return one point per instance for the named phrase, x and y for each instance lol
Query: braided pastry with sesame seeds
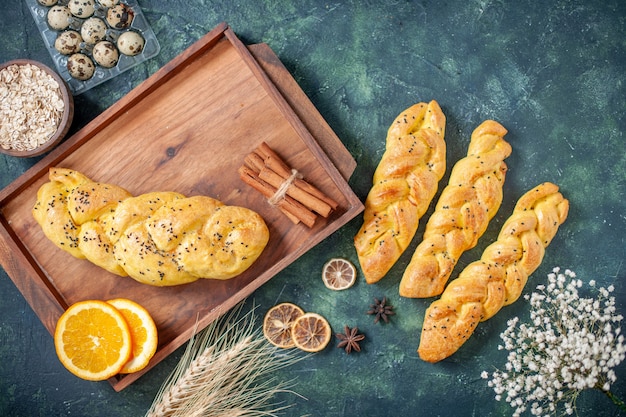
(467, 204)
(404, 184)
(498, 278)
(157, 238)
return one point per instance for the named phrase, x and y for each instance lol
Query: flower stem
(616, 400)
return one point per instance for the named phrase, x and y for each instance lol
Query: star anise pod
(349, 340)
(381, 309)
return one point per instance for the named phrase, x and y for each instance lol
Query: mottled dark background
(552, 72)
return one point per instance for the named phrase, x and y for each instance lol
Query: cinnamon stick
(266, 172)
(274, 162)
(311, 202)
(303, 185)
(290, 207)
(255, 162)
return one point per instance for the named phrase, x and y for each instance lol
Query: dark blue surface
(553, 73)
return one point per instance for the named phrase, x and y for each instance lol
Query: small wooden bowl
(66, 118)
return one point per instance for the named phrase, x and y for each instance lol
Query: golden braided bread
(404, 184)
(467, 204)
(158, 238)
(497, 279)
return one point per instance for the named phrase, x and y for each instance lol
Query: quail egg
(120, 16)
(108, 3)
(105, 54)
(47, 3)
(82, 8)
(68, 42)
(80, 66)
(93, 30)
(130, 43)
(59, 17)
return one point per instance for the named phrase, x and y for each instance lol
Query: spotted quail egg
(93, 30)
(120, 16)
(68, 42)
(130, 43)
(47, 3)
(108, 3)
(82, 8)
(105, 54)
(80, 66)
(59, 17)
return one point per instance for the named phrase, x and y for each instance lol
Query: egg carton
(101, 74)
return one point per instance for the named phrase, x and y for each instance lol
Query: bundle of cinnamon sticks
(284, 187)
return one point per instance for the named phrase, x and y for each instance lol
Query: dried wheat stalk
(226, 370)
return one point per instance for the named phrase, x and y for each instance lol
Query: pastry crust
(498, 278)
(157, 238)
(404, 184)
(467, 204)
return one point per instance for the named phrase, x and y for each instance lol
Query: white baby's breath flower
(571, 344)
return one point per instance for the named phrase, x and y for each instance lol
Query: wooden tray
(187, 128)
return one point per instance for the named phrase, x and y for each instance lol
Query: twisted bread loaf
(465, 207)
(159, 238)
(497, 279)
(404, 184)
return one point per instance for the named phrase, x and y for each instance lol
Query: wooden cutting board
(186, 129)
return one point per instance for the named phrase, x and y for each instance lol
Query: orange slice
(143, 333)
(277, 324)
(92, 340)
(311, 332)
(338, 274)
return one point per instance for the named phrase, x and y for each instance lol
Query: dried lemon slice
(311, 332)
(92, 340)
(338, 274)
(277, 324)
(143, 334)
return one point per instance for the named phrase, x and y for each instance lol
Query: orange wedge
(92, 340)
(311, 332)
(277, 324)
(143, 334)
